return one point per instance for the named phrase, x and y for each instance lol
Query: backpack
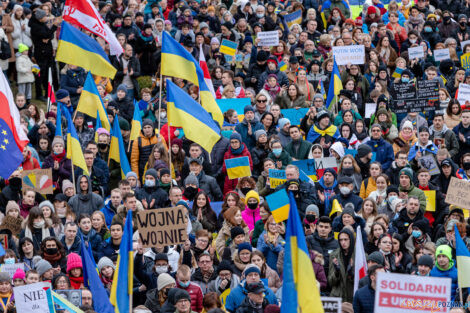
(5, 50)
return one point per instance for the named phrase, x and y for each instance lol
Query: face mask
(344, 190)
(102, 146)
(259, 15)
(428, 29)
(149, 183)
(412, 41)
(38, 224)
(466, 166)
(9, 261)
(462, 23)
(184, 285)
(277, 152)
(190, 192)
(52, 251)
(253, 205)
(56, 153)
(295, 192)
(391, 198)
(245, 190)
(15, 182)
(405, 79)
(446, 18)
(348, 170)
(416, 233)
(161, 269)
(163, 115)
(310, 218)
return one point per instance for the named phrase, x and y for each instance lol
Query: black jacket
(125, 107)
(322, 245)
(134, 64)
(307, 196)
(39, 32)
(152, 193)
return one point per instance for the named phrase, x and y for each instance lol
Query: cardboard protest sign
(314, 168)
(441, 54)
(464, 94)
(11, 268)
(294, 115)
(399, 293)
(162, 227)
(331, 304)
(465, 60)
(458, 193)
(39, 180)
(415, 53)
(34, 298)
(276, 178)
(415, 97)
(268, 39)
(349, 54)
(430, 200)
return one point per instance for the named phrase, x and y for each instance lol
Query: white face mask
(344, 190)
(161, 269)
(38, 224)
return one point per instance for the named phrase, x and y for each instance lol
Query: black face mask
(295, 192)
(245, 190)
(253, 205)
(446, 18)
(310, 218)
(102, 146)
(466, 166)
(52, 251)
(348, 171)
(15, 182)
(190, 192)
(166, 292)
(463, 23)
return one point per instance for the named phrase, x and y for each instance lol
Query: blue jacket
(450, 273)
(270, 251)
(237, 295)
(72, 80)
(109, 213)
(242, 129)
(383, 152)
(364, 300)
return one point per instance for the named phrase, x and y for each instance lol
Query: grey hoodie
(85, 203)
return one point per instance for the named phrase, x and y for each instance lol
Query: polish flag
(50, 91)
(360, 261)
(205, 70)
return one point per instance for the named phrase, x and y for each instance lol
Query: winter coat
(403, 221)
(72, 80)
(247, 307)
(75, 247)
(242, 129)
(383, 152)
(231, 184)
(341, 281)
(150, 194)
(125, 107)
(198, 278)
(133, 64)
(141, 148)
(350, 198)
(258, 154)
(210, 186)
(299, 151)
(416, 192)
(270, 251)
(152, 302)
(21, 36)
(284, 158)
(24, 66)
(196, 295)
(250, 217)
(63, 172)
(285, 102)
(450, 140)
(237, 295)
(464, 146)
(307, 196)
(217, 155)
(40, 32)
(367, 187)
(255, 70)
(322, 245)
(224, 237)
(364, 298)
(450, 273)
(281, 78)
(85, 203)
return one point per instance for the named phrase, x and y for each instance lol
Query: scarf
(331, 131)
(145, 37)
(362, 135)
(58, 157)
(237, 151)
(45, 233)
(5, 299)
(52, 258)
(272, 91)
(328, 191)
(76, 282)
(207, 275)
(106, 281)
(406, 137)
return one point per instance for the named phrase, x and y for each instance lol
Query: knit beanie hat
(164, 280)
(131, 174)
(48, 204)
(235, 231)
(39, 14)
(161, 256)
(58, 140)
(164, 171)
(260, 132)
(251, 268)
(122, 87)
(244, 246)
(236, 136)
(363, 150)
(392, 188)
(43, 266)
(426, 260)
(12, 205)
(248, 108)
(376, 257)
(152, 172)
(408, 172)
(19, 274)
(251, 194)
(407, 124)
(181, 294)
(191, 180)
(313, 208)
(146, 122)
(224, 266)
(67, 184)
(444, 250)
(282, 122)
(5, 277)
(22, 48)
(73, 261)
(105, 261)
(61, 94)
(124, 124)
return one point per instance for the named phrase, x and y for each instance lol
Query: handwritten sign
(458, 193)
(314, 168)
(34, 298)
(429, 163)
(294, 115)
(162, 227)
(276, 178)
(370, 109)
(415, 97)
(268, 39)
(464, 94)
(349, 54)
(441, 54)
(415, 53)
(11, 268)
(39, 180)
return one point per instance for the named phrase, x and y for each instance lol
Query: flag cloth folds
(73, 144)
(178, 62)
(136, 125)
(335, 87)
(98, 125)
(278, 203)
(117, 151)
(335, 207)
(121, 290)
(65, 304)
(238, 167)
(81, 50)
(360, 261)
(92, 281)
(184, 112)
(205, 70)
(12, 136)
(293, 18)
(463, 260)
(84, 14)
(300, 290)
(50, 90)
(90, 102)
(58, 123)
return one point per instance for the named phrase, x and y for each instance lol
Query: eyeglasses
(262, 101)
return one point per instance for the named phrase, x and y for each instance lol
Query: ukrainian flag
(81, 50)
(293, 18)
(184, 112)
(136, 124)
(463, 260)
(73, 145)
(278, 203)
(117, 152)
(335, 207)
(228, 47)
(98, 125)
(58, 123)
(90, 102)
(300, 289)
(335, 87)
(397, 73)
(282, 66)
(322, 89)
(121, 290)
(238, 167)
(178, 62)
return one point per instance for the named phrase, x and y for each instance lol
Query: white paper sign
(464, 94)
(11, 268)
(33, 298)
(415, 53)
(441, 54)
(349, 54)
(399, 293)
(331, 304)
(268, 39)
(464, 43)
(370, 109)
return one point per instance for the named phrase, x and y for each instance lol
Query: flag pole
(169, 147)
(160, 98)
(73, 171)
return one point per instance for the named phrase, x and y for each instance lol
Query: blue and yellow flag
(117, 151)
(98, 125)
(335, 87)
(228, 47)
(58, 123)
(238, 167)
(123, 281)
(282, 66)
(73, 145)
(184, 112)
(300, 288)
(136, 125)
(278, 203)
(293, 18)
(322, 89)
(81, 50)
(178, 62)
(463, 260)
(90, 102)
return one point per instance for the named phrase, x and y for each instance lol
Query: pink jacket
(251, 217)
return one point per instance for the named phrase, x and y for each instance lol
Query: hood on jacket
(79, 191)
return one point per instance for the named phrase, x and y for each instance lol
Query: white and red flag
(205, 70)
(50, 90)
(360, 261)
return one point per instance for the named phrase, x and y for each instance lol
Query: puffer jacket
(231, 184)
(141, 148)
(195, 293)
(24, 66)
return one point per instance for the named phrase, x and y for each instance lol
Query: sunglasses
(261, 101)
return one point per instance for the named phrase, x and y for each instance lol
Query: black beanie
(235, 231)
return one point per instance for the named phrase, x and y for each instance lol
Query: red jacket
(231, 184)
(195, 293)
(30, 163)
(164, 132)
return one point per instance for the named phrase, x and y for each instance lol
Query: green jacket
(284, 157)
(257, 231)
(341, 286)
(302, 152)
(413, 191)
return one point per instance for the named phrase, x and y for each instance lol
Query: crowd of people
(233, 259)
